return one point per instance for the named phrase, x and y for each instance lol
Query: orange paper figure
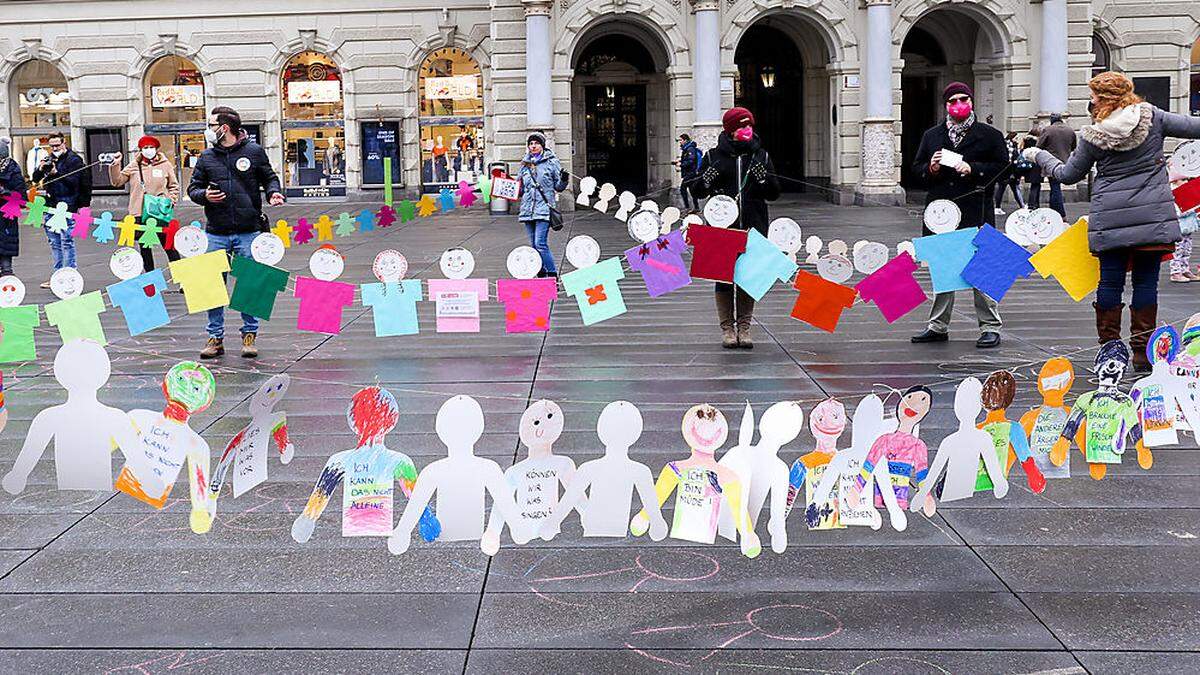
(1044, 424)
(427, 206)
(1008, 437)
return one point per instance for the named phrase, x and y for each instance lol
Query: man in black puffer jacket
(228, 181)
(740, 168)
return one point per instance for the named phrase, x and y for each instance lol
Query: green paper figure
(345, 225)
(150, 230)
(406, 210)
(37, 212)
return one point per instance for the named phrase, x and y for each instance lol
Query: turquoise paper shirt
(761, 266)
(595, 289)
(394, 305)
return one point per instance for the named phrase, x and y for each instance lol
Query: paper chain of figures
(886, 465)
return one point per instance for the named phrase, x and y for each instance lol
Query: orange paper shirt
(821, 302)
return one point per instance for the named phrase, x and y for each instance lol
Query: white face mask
(59, 152)
(149, 153)
(210, 135)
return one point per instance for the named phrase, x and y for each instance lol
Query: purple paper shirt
(661, 264)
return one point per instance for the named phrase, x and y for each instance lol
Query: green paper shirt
(18, 343)
(1110, 418)
(78, 318)
(256, 288)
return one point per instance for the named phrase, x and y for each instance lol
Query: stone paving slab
(1135, 663)
(1096, 569)
(1077, 527)
(1121, 621)
(249, 661)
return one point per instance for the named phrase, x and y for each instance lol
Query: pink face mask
(744, 133)
(959, 110)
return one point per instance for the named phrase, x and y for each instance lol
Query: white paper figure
(942, 216)
(66, 283)
(761, 470)
(670, 216)
(326, 263)
(691, 219)
(785, 234)
(460, 481)
(870, 256)
(812, 246)
(607, 192)
(125, 263)
(626, 203)
(457, 263)
(587, 186)
(83, 429)
(12, 291)
(649, 205)
(1016, 227)
(524, 262)
(838, 247)
(1185, 161)
(389, 266)
(702, 485)
(835, 268)
(1045, 225)
(609, 482)
(840, 479)
(190, 241)
(721, 211)
(246, 453)
(906, 247)
(535, 479)
(1162, 395)
(583, 251)
(644, 226)
(267, 248)
(959, 454)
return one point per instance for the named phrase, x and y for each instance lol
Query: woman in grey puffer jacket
(542, 178)
(1132, 222)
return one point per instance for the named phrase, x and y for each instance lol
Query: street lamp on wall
(610, 91)
(767, 74)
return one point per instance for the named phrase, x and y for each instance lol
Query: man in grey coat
(1059, 140)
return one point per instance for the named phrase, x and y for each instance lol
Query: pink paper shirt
(526, 303)
(457, 324)
(892, 288)
(321, 304)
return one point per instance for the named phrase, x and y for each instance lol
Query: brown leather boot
(249, 350)
(213, 348)
(745, 314)
(1142, 322)
(1108, 322)
(725, 317)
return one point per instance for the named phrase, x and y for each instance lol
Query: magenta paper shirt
(456, 310)
(892, 288)
(321, 304)
(661, 264)
(526, 303)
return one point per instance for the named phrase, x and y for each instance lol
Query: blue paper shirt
(761, 266)
(947, 255)
(394, 305)
(596, 291)
(997, 264)
(141, 301)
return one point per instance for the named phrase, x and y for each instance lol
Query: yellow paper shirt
(1069, 261)
(200, 276)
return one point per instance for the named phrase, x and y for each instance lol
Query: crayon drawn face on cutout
(1163, 345)
(191, 385)
(942, 216)
(721, 211)
(705, 429)
(1044, 225)
(541, 424)
(326, 263)
(190, 241)
(390, 266)
(999, 390)
(1111, 362)
(457, 263)
(66, 283)
(12, 291)
(267, 248)
(524, 262)
(270, 393)
(1186, 159)
(644, 226)
(583, 251)
(870, 257)
(914, 405)
(1056, 378)
(785, 233)
(827, 421)
(373, 412)
(835, 268)
(1016, 227)
(125, 263)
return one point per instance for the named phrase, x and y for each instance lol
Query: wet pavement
(1089, 575)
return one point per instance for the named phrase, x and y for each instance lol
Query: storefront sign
(457, 88)
(177, 96)
(326, 91)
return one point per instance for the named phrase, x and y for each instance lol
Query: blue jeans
(1113, 266)
(1056, 198)
(537, 231)
(62, 247)
(230, 243)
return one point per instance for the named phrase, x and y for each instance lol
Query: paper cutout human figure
(587, 186)
(602, 489)
(485, 189)
(303, 231)
(150, 232)
(942, 215)
(456, 298)
(904, 455)
(965, 454)
(169, 234)
(365, 220)
(869, 256)
(14, 202)
(997, 264)
(526, 303)
(947, 254)
(535, 479)
(1187, 195)
(445, 200)
(244, 460)
(284, 232)
(1106, 417)
(670, 216)
(83, 429)
(324, 228)
(466, 194)
(1044, 424)
(660, 263)
(78, 317)
(893, 289)
(387, 216)
(370, 472)
(167, 441)
(761, 472)
(702, 485)
(202, 280)
(394, 306)
(321, 298)
(1068, 259)
(596, 291)
(128, 234)
(761, 265)
(17, 342)
(36, 215)
(426, 206)
(59, 218)
(820, 303)
(141, 301)
(406, 210)
(626, 203)
(82, 223)
(1162, 396)
(839, 482)
(104, 228)
(812, 246)
(1009, 438)
(460, 481)
(827, 422)
(607, 192)
(345, 225)
(715, 251)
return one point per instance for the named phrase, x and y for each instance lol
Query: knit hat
(148, 142)
(955, 89)
(536, 136)
(5, 153)
(736, 118)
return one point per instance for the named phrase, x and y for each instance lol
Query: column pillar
(880, 180)
(706, 76)
(539, 102)
(1052, 71)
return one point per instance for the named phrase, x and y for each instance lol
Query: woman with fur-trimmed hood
(1132, 223)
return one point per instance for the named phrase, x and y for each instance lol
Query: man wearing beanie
(740, 168)
(969, 185)
(11, 180)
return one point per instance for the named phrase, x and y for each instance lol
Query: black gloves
(758, 172)
(709, 177)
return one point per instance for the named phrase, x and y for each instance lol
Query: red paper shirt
(714, 251)
(821, 302)
(1187, 196)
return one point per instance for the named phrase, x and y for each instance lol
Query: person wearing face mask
(969, 185)
(229, 180)
(66, 180)
(1132, 222)
(11, 180)
(738, 167)
(148, 173)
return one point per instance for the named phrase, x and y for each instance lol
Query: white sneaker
(999, 212)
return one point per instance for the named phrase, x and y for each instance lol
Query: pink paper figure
(304, 231)
(526, 303)
(387, 216)
(13, 203)
(321, 304)
(893, 289)
(37, 212)
(466, 194)
(83, 221)
(456, 311)
(104, 228)
(59, 218)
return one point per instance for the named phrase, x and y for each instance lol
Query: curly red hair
(1114, 90)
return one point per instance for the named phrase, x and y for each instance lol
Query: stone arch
(1005, 34)
(829, 22)
(35, 50)
(421, 50)
(139, 69)
(578, 25)
(1116, 44)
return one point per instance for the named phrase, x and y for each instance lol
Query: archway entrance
(41, 105)
(314, 127)
(621, 105)
(173, 92)
(944, 46)
(450, 89)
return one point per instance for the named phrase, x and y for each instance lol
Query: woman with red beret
(152, 174)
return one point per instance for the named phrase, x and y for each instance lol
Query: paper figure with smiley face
(1163, 396)
(321, 298)
(535, 480)
(526, 298)
(1107, 416)
(138, 295)
(905, 456)
(259, 281)
(839, 481)
(701, 484)
(393, 300)
(1044, 423)
(456, 298)
(1009, 438)
(826, 422)
(17, 342)
(76, 314)
(760, 470)
(246, 454)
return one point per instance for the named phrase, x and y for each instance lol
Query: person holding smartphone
(149, 173)
(228, 181)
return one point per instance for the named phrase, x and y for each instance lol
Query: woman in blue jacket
(542, 178)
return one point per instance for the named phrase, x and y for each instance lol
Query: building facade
(842, 90)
